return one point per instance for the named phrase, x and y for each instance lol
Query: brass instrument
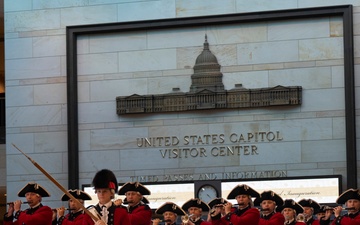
(301, 218)
(185, 218)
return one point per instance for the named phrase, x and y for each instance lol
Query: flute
(55, 209)
(8, 203)
(332, 208)
(165, 221)
(264, 210)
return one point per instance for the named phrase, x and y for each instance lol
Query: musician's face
(268, 206)
(353, 203)
(243, 200)
(195, 211)
(133, 197)
(104, 195)
(308, 211)
(33, 198)
(74, 205)
(170, 216)
(288, 213)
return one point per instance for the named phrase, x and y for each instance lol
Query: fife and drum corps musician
(245, 212)
(292, 212)
(216, 203)
(310, 207)
(139, 213)
(324, 214)
(351, 199)
(195, 208)
(268, 201)
(76, 214)
(37, 214)
(170, 212)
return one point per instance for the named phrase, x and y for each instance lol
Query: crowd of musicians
(252, 208)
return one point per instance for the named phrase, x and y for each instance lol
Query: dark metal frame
(343, 11)
(217, 183)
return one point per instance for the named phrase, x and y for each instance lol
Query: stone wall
(306, 52)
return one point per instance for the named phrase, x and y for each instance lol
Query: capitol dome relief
(207, 92)
(207, 73)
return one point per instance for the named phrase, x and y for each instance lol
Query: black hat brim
(217, 201)
(268, 195)
(309, 203)
(78, 194)
(289, 203)
(170, 207)
(242, 190)
(134, 186)
(35, 188)
(348, 194)
(195, 202)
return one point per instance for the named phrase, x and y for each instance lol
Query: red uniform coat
(117, 216)
(272, 219)
(353, 219)
(312, 221)
(72, 219)
(140, 214)
(41, 215)
(247, 216)
(202, 222)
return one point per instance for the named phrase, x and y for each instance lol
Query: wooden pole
(58, 185)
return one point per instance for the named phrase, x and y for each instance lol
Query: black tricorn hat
(35, 188)
(134, 186)
(170, 207)
(196, 202)
(269, 195)
(217, 201)
(242, 189)
(144, 200)
(105, 179)
(309, 203)
(322, 209)
(78, 194)
(348, 194)
(289, 203)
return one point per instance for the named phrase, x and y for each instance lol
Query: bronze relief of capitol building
(207, 92)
